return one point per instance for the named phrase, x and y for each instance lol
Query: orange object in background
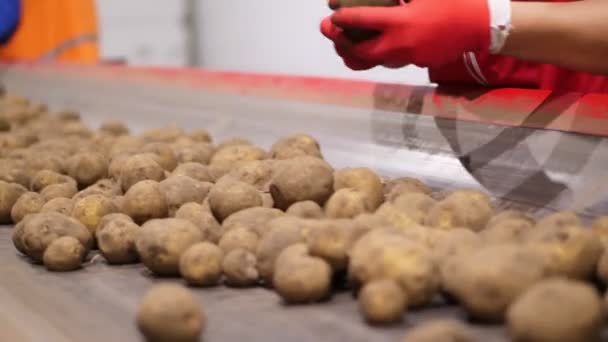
(54, 30)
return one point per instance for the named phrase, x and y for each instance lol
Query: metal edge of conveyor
(533, 169)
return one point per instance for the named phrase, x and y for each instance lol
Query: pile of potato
(234, 213)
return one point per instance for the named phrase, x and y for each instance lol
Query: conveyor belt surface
(532, 169)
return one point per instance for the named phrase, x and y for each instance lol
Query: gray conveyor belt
(536, 170)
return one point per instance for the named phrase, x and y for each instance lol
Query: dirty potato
(115, 236)
(28, 203)
(203, 219)
(229, 196)
(161, 242)
(301, 179)
(138, 168)
(64, 254)
(363, 179)
(300, 278)
(306, 210)
(382, 302)
(170, 312)
(296, 145)
(347, 203)
(557, 310)
(145, 201)
(179, 190)
(463, 208)
(487, 281)
(201, 264)
(9, 194)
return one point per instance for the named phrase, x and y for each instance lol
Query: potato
(5, 126)
(602, 268)
(232, 142)
(161, 242)
(447, 244)
(60, 205)
(229, 196)
(89, 210)
(258, 173)
(267, 201)
(347, 203)
(170, 313)
(300, 278)
(301, 179)
(197, 153)
(105, 187)
(9, 194)
(200, 135)
(306, 210)
(196, 171)
(557, 310)
(13, 173)
(240, 237)
(510, 214)
(145, 201)
(382, 254)
(405, 211)
(600, 228)
(203, 219)
(179, 190)
(228, 157)
(255, 219)
(201, 264)
(239, 266)
(63, 190)
(364, 180)
(37, 231)
(28, 203)
(560, 219)
(333, 239)
(116, 164)
(440, 330)
(114, 128)
(382, 302)
(87, 168)
(406, 185)
(388, 215)
(487, 281)
(464, 208)
(64, 254)
(296, 145)
(38, 161)
(138, 168)
(274, 242)
(506, 231)
(571, 251)
(162, 153)
(44, 178)
(115, 236)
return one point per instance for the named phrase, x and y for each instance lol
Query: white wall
(144, 32)
(278, 36)
(274, 36)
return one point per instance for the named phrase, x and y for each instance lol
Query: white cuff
(500, 23)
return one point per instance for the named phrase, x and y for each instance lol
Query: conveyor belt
(533, 169)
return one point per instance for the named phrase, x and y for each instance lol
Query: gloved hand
(427, 33)
(341, 45)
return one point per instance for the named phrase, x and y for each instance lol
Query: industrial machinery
(530, 149)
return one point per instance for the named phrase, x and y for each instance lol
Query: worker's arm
(10, 11)
(433, 33)
(572, 34)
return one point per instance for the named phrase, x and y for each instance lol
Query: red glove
(341, 44)
(427, 33)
